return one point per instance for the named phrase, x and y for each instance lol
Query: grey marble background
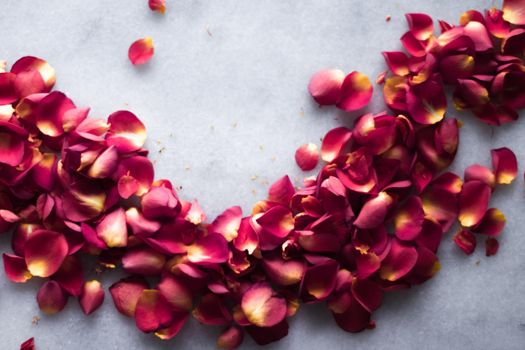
(224, 99)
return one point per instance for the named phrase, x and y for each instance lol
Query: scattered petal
(357, 92)
(325, 86)
(92, 297)
(141, 51)
(307, 156)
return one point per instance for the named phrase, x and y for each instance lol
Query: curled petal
(231, 338)
(228, 223)
(441, 205)
(141, 169)
(127, 186)
(195, 214)
(479, 35)
(29, 344)
(491, 224)
(374, 211)
(376, 133)
(112, 229)
(334, 143)
(496, 24)
(394, 93)
(473, 202)
(92, 297)
(152, 311)
(51, 297)
(126, 132)
(325, 86)
(514, 43)
(456, 67)
(514, 11)
(319, 280)
(139, 225)
(212, 311)
(143, 261)
(278, 221)
(179, 319)
(157, 5)
(262, 307)
(212, 249)
(16, 268)
(470, 94)
(491, 246)
(105, 164)
(505, 165)
(160, 202)
(176, 293)
(400, 260)
(34, 75)
(466, 241)
(357, 92)
(421, 25)
(427, 102)
(307, 156)
(44, 252)
(141, 51)
(480, 173)
(247, 239)
(126, 293)
(281, 191)
(408, 220)
(284, 272)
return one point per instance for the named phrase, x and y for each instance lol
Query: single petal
(325, 86)
(427, 102)
(441, 205)
(400, 260)
(51, 298)
(91, 237)
(126, 293)
(427, 266)
(367, 264)
(505, 165)
(195, 214)
(176, 293)
(92, 297)
(160, 202)
(112, 229)
(281, 191)
(105, 165)
(374, 211)
(139, 225)
(319, 280)
(277, 221)
(514, 11)
(127, 186)
(267, 335)
(211, 249)
(126, 132)
(152, 311)
(492, 223)
(212, 311)
(141, 51)
(70, 276)
(355, 319)
(50, 113)
(12, 143)
(231, 338)
(29, 344)
(334, 143)
(480, 173)
(397, 62)
(179, 319)
(16, 268)
(83, 200)
(466, 241)
(157, 5)
(284, 272)
(357, 92)
(496, 24)
(262, 307)
(514, 42)
(228, 223)
(44, 173)
(408, 220)
(307, 156)
(247, 239)
(473, 202)
(143, 261)
(44, 252)
(34, 75)
(479, 35)
(491, 246)
(421, 25)
(368, 293)
(456, 67)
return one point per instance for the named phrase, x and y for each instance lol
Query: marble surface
(224, 99)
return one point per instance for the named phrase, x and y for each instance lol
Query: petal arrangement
(370, 222)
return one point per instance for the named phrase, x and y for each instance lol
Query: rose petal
(195, 214)
(262, 307)
(491, 246)
(105, 164)
(50, 113)
(325, 86)
(281, 191)
(421, 25)
(480, 173)
(307, 156)
(399, 261)
(8, 93)
(284, 272)
(212, 249)
(356, 91)
(157, 5)
(126, 293)
(141, 51)
(112, 229)
(374, 211)
(51, 298)
(152, 311)
(473, 202)
(44, 252)
(126, 132)
(231, 338)
(267, 335)
(334, 143)
(319, 280)
(492, 223)
(34, 75)
(397, 62)
(160, 202)
(15, 268)
(92, 297)
(29, 344)
(212, 311)
(247, 239)
(277, 221)
(70, 276)
(496, 25)
(441, 205)
(179, 319)
(139, 225)
(505, 165)
(427, 102)
(466, 241)
(176, 293)
(514, 11)
(228, 223)
(355, 319)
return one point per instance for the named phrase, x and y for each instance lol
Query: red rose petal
(212, 311)
(277, 221)
(152, 311)
(262, 307)
(141, 51)
(284, 272)
(319, 280)
(212, 249)
(491, 246)
(92, 297)
(491, 224)
(368, 293)
(355, 319)
(504, 164)
(44, 252)
(228, 223)
(126, 293)
(157, 5)
(325, 86)
(473, 202)
(176, 293)
(397, 62)
(8, 93)
(357, 92)
(179, 319)
(281, 191)
(126, 132)
(143, 261)
(15, 268)
(427, 102)
(307, 156)
(421, 25)
(514, 11)
(480, 173)
(51, 298)
(34, 75)
(70, 275)
(267, 335)
(334, 143)
(466, 241)
(374, 211)
(29, 344)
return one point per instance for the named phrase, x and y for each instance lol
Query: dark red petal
(357, 92)
(92, 297)
(15, 268)
(44, 252)
(334, 143)
(466, 241)
(51, 298)
(504, 164)
(491, 246)
(473, 202)
(399, 261)
(421, 25)
(126, 293)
